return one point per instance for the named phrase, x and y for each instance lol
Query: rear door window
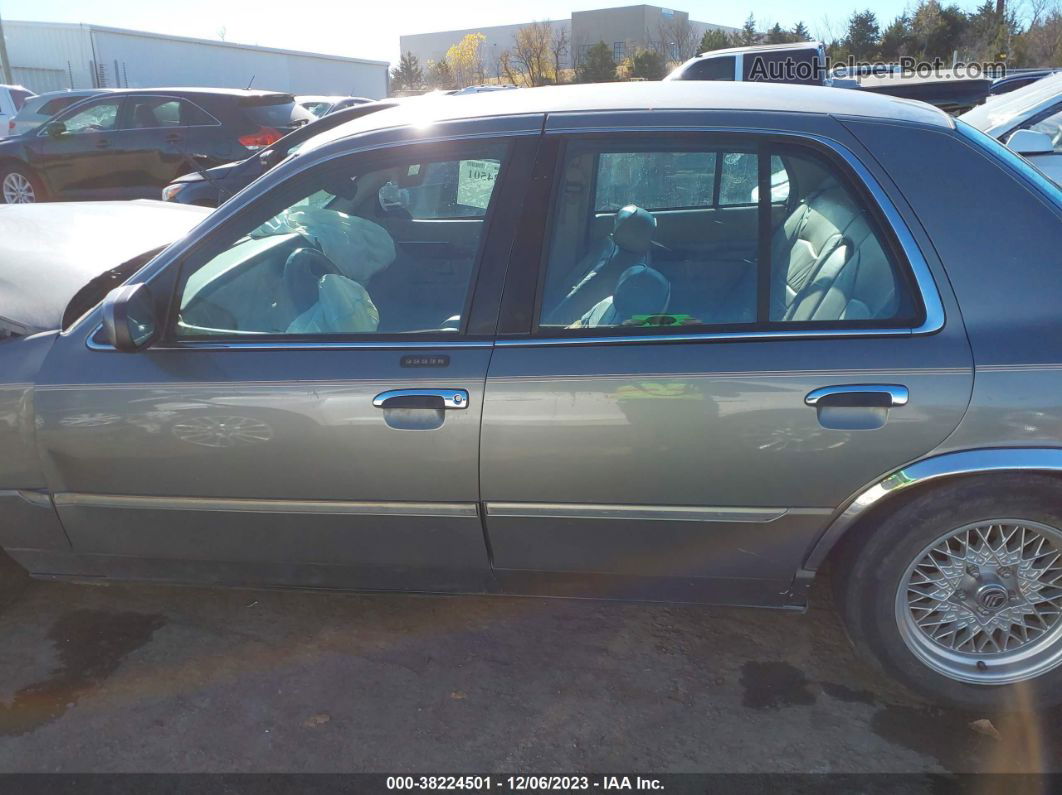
(635, 252)
(152, 113)
(721, 68)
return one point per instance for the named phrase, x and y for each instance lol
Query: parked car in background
(805, 63)
(1029, 121)
(349, 102)
(11, 100)
(210, 187)
(739, 64)
(546, 342)
(40, 108)
(321, 106)
(128, 143)
(1018, 78)
(483, 89)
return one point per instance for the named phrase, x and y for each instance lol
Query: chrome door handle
(422, 399)
(859, 396)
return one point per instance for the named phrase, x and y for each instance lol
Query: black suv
(129, 143)
(209, 187)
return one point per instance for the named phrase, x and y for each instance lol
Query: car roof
(73, 92)
(658, 96)
(997, 115)
(199, 90)
(792, 45)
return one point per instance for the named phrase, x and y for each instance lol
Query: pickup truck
(806, 63)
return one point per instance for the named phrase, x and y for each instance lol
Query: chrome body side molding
(668, 513)
(966, 462)
(450, 509)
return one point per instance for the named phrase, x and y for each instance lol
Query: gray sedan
(676, 342)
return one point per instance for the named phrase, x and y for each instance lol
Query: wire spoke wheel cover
(18, 189)
(983, 603)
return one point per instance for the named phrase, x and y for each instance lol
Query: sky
(371, 28)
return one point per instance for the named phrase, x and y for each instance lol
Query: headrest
(633, 229)
(640, 291)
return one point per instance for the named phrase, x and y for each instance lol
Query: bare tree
(676, 39)
(558, 47)
(535, 57)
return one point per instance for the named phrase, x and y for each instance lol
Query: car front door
(311, 414)
(80, 161)
(678, 406)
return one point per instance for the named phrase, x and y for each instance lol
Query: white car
(39, 109)
(11, 101)
(1029, 121)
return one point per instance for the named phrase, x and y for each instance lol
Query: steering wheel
(298, 289)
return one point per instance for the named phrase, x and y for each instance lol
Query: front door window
(388, 250)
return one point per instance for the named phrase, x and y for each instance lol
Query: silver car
(674, 341)
(37, 110)
(1029, 121)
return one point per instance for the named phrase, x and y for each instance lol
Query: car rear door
(154, 141)
(298, 423)
(691, 433)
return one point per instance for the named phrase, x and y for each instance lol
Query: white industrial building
(46, 56)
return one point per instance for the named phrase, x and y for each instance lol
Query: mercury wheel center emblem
(992, 596)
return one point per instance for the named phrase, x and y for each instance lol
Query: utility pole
(3, 56)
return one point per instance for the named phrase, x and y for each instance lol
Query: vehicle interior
(390, 251)
(683, 248)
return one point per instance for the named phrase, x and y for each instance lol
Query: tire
(20, 181)
(975, 608)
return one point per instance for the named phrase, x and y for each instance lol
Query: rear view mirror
(1030, 142)
(54, 128)
(129, 322)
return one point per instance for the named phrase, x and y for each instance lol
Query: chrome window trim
(297, 345)
(924, 282)
(177, 126)
(965, 462)
(935, 316)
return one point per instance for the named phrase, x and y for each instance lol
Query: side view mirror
(129, 322)
(54, 129)
(1030, 142)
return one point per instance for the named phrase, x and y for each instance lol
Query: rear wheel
(958, 594)
(19, 185)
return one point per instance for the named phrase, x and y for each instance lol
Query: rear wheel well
(852, 539)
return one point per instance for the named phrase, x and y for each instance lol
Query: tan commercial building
(625, 30)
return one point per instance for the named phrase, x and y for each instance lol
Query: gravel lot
(160, 678)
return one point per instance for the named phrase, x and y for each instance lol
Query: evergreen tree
(408, 74)
(597, 66)
(714, 39)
